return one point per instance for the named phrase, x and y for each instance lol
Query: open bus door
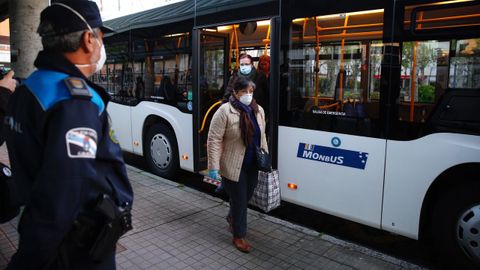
(210, 75)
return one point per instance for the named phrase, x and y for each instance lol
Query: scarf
(247, 127)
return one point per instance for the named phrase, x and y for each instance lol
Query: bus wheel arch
(451, 195)
(160, 136)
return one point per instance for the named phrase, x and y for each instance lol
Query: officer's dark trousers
(240, 193)
(70, 257)
(66, 258)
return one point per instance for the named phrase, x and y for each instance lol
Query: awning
(178, 12)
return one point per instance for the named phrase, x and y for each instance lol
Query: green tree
(407, 56)
(425, 56)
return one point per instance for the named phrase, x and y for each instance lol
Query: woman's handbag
(266, 195)
(264, 163)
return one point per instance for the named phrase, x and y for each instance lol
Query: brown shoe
(242, 245)
(230, 223)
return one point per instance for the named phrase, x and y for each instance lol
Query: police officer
(62, 149)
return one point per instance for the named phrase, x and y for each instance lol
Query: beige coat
(225, 146)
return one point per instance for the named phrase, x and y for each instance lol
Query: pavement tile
(357, 259)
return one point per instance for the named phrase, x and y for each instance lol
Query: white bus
(373, 106)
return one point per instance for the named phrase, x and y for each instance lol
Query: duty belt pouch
(118, 222)
(84, 231)
(106, 241)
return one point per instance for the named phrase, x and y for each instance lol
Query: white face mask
(245, 70)
(246, 99)
(101, 60)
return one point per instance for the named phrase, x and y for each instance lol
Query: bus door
(210, 76)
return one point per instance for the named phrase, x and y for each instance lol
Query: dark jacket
(63, 154)
(4, 97)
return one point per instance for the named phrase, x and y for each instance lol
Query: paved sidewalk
(176, 227)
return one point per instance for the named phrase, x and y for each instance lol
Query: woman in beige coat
(236, 129)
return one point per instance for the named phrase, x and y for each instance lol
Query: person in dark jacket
(247, 69)
(7, 86)
(167, 89)
(139, 88)
(64, 154)
(264, 65)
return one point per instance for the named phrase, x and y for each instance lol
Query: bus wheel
(456, 227)
(161, 151)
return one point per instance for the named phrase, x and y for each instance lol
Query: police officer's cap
(64, 20)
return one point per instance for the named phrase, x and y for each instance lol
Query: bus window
(465, 64)
(212, 81)
(157, 69)
(430, 66)
(427, 63)
(168, 67)
(334, 71)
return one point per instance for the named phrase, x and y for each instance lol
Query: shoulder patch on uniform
(112, 135)
(77, 87)
(81, 142)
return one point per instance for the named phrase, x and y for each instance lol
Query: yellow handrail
(266, 41)
(329, 106)
(206, 115)
(237, 49)
(317, 60)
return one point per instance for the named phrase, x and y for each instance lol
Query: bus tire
(161, 151)
(456, 227)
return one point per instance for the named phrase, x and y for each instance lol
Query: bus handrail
(206, 115)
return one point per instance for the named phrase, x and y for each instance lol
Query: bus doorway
(210, 77)
(218, 51)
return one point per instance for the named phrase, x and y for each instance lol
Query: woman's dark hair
(241, 82)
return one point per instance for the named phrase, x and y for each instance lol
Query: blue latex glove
(214, 174)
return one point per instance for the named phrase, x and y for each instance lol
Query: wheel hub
(468, 232)
(160, 151)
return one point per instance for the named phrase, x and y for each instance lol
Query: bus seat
(354, 108)
(337, 84)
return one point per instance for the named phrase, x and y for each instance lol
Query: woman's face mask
(246, 99)
(245, 69)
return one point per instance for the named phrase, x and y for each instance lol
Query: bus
(373, 106)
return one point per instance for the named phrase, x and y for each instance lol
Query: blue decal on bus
(331, 155)
(336, 141)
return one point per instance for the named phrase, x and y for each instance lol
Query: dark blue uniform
(64, 155)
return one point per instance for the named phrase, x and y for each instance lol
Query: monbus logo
(331, 155)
